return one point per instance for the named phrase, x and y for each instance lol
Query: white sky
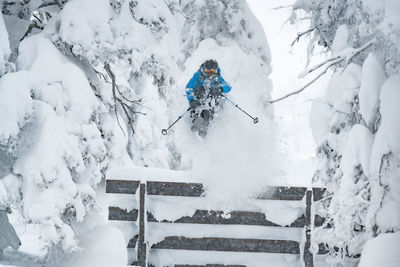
(292, 114)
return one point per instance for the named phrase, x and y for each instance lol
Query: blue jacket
(198, 80)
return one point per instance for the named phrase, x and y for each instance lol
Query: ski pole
(165, 131)
(255, 119)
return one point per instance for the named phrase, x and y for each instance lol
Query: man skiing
(203, 92)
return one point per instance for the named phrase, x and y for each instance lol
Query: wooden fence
(214, 217)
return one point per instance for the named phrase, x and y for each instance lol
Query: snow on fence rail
(214, 217)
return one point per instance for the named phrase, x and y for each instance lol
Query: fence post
(307, 255)
(141, 247)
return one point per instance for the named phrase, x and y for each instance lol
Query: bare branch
(52, 3)
(101, 75)
(130, 120)
(119, 98)
(124, 97)
(111, 74)
(172, 7)
(345, 56)
(36, 17)
(134, 111)
(33, 25)
(307, 84)
(357, 51)
(317, 66)
(48, 16)
(282, 7)
(300, 34)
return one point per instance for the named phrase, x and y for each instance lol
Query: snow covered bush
(89, 88)
(358, 139)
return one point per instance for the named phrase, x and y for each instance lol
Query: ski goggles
(210, 71)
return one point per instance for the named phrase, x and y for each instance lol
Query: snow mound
(372, 79)
(109, 250)
(383, 250)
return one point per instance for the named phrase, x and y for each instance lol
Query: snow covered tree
(87, 88)
(355, 124)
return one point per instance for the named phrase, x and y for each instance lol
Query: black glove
(218, 91)
(194, 103)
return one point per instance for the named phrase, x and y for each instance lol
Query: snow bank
(320, 115)
(104, 246)
(15, 105)
(183, 257)
(341, 41)
(372, 79)
(387, 145)
(392, 11)
(148, 174)
(388, 136)
(343, 87)
(4, 46)
(383, 250)
(86, 23)
(10, 187)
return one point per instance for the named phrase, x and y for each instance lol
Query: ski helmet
(209, 67)
(210, 64)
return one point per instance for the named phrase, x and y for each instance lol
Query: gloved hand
(217, 91)
(194, 103)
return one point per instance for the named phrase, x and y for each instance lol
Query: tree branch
(111, 74)
(308, 84)
(128, 110)
(282, 7)
(33, 25)
(317, 66)
(52, 3)
(300, 34)
(346, 56)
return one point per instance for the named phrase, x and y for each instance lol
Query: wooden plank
(282, 193)
(229, 244)
(322, 249)
(197, 190)
(307, 254)
(132, 242)
(208, 265)
(213, 217)
(234, 217)
(121, 186)
(175, 189)
(318, 193)
(289, 193)
(118, 214)
(141, 249)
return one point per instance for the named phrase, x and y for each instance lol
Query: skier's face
(210, 72)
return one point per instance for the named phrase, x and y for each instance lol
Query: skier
(203, 92)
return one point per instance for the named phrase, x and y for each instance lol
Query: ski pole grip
(164, 131)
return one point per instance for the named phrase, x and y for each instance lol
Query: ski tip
(164, 132)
